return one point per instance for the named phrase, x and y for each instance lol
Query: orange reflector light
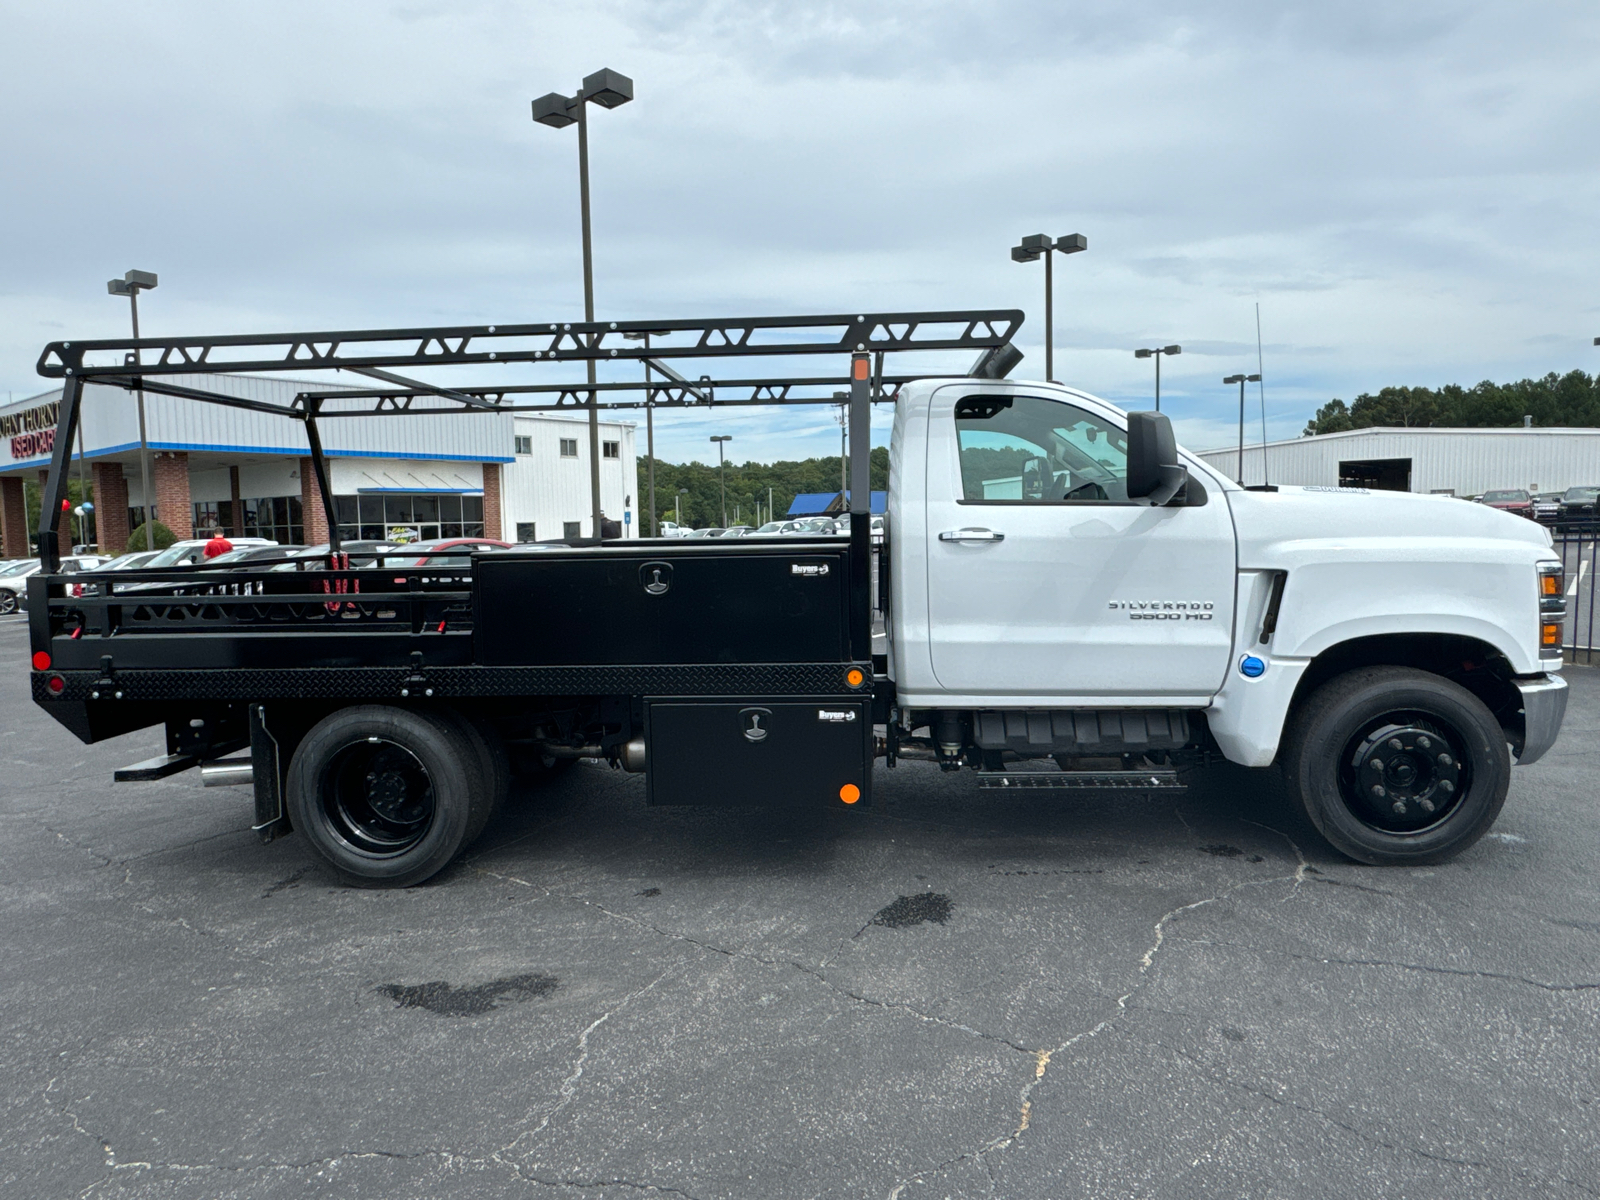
(849, 793)
(1550, 635)
(41, 661)
(56, 684)
(860, 368)
(1550, 584)
(854, 677)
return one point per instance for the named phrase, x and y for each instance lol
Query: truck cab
(1043, 572)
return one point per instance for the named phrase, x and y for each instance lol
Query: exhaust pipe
(227, 772)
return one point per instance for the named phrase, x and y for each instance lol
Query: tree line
(1567, 401)
(748, 484)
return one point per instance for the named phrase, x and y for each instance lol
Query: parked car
(736, 531)
(181, 554)
(1546, 506)
(1578, 504)
(126, 562)
(362, 554)
(671, 529)
(445, 552)
(1512, 500)
(704, 533)
(14, 577)
(261, 556)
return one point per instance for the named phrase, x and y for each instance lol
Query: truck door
(1044, 579)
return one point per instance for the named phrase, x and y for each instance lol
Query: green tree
(164, 537)
(1555, 401)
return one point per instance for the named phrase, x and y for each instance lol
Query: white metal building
(247, 473)
(1463, 462)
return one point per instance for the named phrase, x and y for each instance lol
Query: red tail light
(41, 661)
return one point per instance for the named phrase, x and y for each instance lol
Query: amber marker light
(1550, 584)
(854, 677)
(1550, 634)
(849, 793)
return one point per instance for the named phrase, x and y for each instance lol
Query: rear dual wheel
(1394, 765)
(389, 796)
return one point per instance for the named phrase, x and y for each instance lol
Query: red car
(445, 552)
(1514, 500)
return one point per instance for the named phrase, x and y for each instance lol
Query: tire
(494, 772)
(1396, 766)
(8, 602)
(387, 796)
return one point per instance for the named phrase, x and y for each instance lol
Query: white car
(671, 529)
(184, 554)
(14, 576)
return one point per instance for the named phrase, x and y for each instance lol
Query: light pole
(1156, 352)
(608, 89)
(722, 474)
(130, 285)
(677, 507)
(1029, 250)
(1241, 380)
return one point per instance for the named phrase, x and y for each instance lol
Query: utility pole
(1240, 380)
(722, 474)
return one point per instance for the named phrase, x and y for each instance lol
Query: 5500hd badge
(1164, 610)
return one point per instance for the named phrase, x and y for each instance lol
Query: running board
(1119, 781)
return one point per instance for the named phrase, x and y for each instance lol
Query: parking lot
(955, 993)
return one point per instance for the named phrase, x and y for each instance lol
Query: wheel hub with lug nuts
(1403, 777)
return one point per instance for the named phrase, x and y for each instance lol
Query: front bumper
(1544, 704)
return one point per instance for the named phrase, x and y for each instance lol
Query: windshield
(1581, 493)
(174, 556)
(1503, 497)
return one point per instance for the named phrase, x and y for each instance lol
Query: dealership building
(1460, 462)
(520, 477)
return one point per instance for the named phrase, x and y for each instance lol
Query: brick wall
(491, 501)
(311, 512)
(174, 509)
(110, 507)
(13, 518)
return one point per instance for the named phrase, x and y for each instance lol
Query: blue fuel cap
(1252, 667)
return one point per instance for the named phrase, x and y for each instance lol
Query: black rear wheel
(1394, 765)
(387, 796)
(8, 602)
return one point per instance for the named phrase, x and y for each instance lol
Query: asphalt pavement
(956, 993)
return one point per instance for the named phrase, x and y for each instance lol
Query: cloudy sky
(1408, 190)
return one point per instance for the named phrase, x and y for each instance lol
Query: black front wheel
(1394, 765)
(388, 796)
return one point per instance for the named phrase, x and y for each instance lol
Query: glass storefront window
(425, 516)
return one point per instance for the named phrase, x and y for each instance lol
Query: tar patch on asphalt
(1223, 850)
(446, 1000)
(914, 910)
(648, 892)
(1232, 1034)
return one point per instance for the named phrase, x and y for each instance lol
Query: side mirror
(1154, 472)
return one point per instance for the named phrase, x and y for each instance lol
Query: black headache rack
(722, 643)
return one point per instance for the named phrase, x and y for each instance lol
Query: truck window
(1032, 450)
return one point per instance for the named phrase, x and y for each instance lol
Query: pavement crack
(1425, 968)
(568, 1089)
(748, 956)
(1283, 1101)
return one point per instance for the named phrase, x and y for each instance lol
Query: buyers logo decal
(836, 716)
(1164, 610)
(810, 570)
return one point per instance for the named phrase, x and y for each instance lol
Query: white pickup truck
(1067, 600)
(1054, 558)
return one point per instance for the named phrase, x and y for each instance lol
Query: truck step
(154, 768)
(1156, 780)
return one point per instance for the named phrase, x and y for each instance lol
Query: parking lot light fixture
(1241, 380)
(722, 474)
(130, 285)
(1156, 353)
(608, 89)
(1031, 249)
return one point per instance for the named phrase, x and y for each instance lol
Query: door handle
(971, 535)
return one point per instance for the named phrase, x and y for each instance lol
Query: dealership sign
(32, 432)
